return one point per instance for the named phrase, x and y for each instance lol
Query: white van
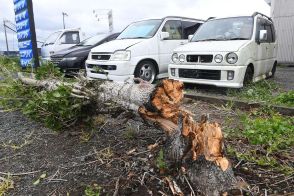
(142, 50)
(227, 52)
(59, 40)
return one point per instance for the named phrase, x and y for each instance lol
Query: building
(282, 13)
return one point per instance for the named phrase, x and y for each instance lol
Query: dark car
(73, 58)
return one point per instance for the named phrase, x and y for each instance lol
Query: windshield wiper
(49, 44)
(135, 37)
(238, 38)
(203, 40)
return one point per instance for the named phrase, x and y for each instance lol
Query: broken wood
(195, 145)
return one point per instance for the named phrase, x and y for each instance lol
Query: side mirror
(190, 37)
(262, 35)
(164, 35)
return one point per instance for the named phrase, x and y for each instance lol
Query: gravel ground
(72, 161)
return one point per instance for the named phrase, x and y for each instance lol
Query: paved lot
(285, 77)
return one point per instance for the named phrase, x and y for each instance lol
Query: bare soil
(113, 156)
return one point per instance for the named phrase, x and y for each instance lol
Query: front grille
(55, 60)
(101, 57)
(203, 58)
(200, 74)
(100, 68)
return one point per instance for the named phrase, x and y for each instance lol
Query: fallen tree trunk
(195, 146)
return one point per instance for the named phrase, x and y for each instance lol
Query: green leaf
(43, 176)
(36, 182)
(56, 94)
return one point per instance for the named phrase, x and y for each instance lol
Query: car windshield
(52, 38)
(141, 29)
(93, 40)
(238, 28)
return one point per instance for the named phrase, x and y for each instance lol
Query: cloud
(48, 17)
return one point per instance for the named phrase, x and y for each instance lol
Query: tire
(274, 70)
(146, 70)
(248, 77)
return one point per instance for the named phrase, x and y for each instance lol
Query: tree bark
(195, 146)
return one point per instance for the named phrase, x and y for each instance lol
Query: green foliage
(56, 109)
(273, 133)
(160, 161)
(14, 95)
(260, 91)
(286, 98)
(93, 190)
(48, 70)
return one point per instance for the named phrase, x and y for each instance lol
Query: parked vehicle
(59, 40)
(142, 50)
(228, 52)
(73, 58)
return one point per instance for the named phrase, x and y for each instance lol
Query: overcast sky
(48, 17)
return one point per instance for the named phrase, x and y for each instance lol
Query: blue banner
(24, 31)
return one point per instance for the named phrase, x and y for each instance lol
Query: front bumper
(123, 70)
(236, 82)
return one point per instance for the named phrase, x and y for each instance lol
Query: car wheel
(248, 78)
(274, 70)
(146, 70)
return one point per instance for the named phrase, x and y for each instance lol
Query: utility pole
(64, 14)
(5, 35)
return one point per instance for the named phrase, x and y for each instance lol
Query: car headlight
(121, 55)
(70, 58)
(182, 58)
(232, 58)
(175, 58)
(218, 58)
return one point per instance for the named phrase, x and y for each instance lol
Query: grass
(93, 190)
(5, 185)
(264, 138)
(264, 91)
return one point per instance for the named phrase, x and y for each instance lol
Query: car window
(273, 32)
(236, 28)
(189, 28)
(70, 38)
(52, 38)
(140, 30)
(269, 32)
(260, 26)
(174, 28)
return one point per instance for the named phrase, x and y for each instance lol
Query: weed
(93, 190)
(130, 132)
(5, 184)
(286, 98)
(160, 162)
(85, 136)
(260, 91)
(272, 133)
(47, 70)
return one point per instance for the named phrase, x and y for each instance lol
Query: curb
(284, 110)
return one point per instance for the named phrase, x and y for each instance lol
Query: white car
(142, 50)
(227, 52)
(60, 40)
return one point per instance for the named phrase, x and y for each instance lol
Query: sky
(48, 13)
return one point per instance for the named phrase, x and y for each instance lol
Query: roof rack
(258, 13)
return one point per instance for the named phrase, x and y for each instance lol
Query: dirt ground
(114, 157)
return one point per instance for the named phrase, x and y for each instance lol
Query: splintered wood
(164, 109)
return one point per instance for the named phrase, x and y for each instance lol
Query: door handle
(182, 43)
